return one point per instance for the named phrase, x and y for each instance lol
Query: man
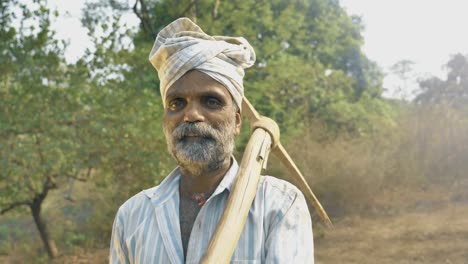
(201, 87)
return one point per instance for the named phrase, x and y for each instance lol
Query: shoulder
(151, 197)
(135, 204)
(274, 188)
(279, 196)
(278, 200)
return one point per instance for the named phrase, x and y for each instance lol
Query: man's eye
(176, 104)
(213, 102)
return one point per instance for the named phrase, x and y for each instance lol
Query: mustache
(194, 130)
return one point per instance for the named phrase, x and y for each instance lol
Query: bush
(425, 151)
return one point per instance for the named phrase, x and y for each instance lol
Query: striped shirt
(278, 228)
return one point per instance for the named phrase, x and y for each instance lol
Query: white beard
(206, 152)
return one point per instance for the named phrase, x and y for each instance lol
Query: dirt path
(439, 236)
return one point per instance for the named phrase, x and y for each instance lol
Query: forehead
(195, 83)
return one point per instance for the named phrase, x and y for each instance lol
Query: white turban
(182, 46)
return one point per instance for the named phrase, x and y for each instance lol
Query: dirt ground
(436, 236)
(422, 236)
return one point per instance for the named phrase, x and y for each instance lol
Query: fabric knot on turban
(183, 46)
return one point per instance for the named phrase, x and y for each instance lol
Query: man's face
(200, 122)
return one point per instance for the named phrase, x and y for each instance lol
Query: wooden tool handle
(230, 226)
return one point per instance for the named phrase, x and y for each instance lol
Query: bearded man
(201, 84)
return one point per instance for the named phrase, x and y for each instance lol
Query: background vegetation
(76, 140)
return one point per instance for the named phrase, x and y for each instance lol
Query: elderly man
(201, 87)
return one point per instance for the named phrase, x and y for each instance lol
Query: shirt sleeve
(118, 250)
(290, 239)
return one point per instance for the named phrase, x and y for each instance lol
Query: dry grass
(438, 236)
(96, 256)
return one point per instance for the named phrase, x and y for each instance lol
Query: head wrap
(182, 46)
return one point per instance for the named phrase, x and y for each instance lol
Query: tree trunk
(49, 244)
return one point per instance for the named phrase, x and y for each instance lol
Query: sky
(426, 32)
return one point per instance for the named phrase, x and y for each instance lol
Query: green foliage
(34, 109)
(37, 112)
(126, 111)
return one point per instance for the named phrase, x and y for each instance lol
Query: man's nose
(193, 113)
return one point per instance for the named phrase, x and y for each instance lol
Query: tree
(59, 123)
(452, 91)
(39, 113)
(402, 69)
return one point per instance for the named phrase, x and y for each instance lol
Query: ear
(238, 123)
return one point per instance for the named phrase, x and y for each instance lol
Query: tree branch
(50, 182)
(143, 16)
(81, 179)
(189, 8)
(14, 205)
(215, 9)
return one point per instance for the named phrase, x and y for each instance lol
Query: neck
(204, 182)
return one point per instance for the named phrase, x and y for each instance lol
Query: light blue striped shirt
(278, 228)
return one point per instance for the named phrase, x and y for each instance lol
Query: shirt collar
(228, 180)
(170, 185)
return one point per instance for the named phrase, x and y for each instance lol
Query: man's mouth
(192, 135)
(190, 138)
(195, 138)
